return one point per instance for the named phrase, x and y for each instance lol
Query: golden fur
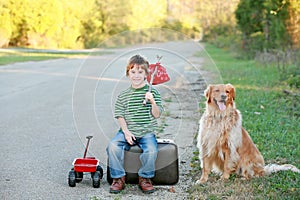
(224, 145)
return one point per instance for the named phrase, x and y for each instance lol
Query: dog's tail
(273, 168)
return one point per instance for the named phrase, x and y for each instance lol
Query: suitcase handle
(165, 141)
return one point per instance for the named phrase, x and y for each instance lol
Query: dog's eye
(217, 90)
(227, 91)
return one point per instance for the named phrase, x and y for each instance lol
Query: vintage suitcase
(167, 167)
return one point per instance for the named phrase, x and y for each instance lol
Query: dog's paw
(225, 177)
(201, 181)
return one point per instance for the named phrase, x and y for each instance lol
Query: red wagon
(84, 165)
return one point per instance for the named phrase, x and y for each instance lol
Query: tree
(264, 24)
(5, 25)
(145, 14)
(293, 22)
(217, 17)
(19, 20)
(105, 19)
(44, 22)
(183, 16)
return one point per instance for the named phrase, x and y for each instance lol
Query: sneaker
(145, 185)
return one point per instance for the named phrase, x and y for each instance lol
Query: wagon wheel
(96, 179)
(72, 178)
(100, 170)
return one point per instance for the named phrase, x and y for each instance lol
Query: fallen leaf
(171, 189)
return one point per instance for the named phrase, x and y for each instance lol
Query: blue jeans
(116, 149)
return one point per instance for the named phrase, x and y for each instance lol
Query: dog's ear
(231, 90)
(207, 93)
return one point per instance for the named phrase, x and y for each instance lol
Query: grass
(271, 117)
(8, 56)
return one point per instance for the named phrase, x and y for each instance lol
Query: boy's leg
(115, 152)
(148, 144)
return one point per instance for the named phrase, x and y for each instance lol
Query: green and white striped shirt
(138, 117)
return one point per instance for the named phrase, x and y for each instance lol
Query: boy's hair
(139, 60)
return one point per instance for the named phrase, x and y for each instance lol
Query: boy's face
(137, 76)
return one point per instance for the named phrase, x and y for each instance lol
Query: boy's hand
(149, 97)
(129, 137)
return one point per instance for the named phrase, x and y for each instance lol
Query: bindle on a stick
(158, 74)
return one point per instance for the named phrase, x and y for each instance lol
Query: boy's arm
(154, 108)
(128, 135)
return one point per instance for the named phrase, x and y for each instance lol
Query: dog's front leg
(227, 169)
(207, 166)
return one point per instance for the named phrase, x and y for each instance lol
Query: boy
(137, 127)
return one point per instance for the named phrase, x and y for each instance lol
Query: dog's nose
(223, 96)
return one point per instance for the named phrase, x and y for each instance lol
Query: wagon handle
(89, 137)
(87, 144)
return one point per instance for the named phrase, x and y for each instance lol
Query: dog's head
(220, 96)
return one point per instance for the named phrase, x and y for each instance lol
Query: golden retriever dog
(224, 145)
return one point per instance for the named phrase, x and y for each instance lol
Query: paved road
(47, 109)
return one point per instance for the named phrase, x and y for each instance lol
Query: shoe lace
(146, 181)
(116, 181)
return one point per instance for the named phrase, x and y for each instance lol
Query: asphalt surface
(49, 107)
